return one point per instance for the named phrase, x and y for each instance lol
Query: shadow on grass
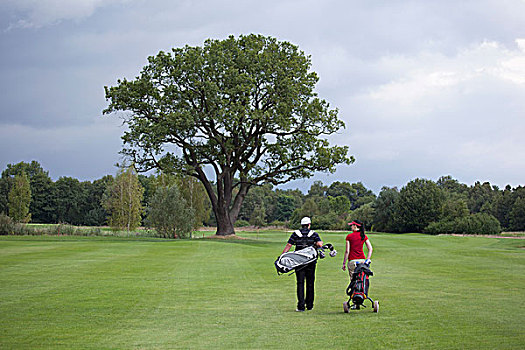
(116, 239)
(242, 241)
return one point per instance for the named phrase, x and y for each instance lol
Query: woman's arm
(347, 251)
(369, 248)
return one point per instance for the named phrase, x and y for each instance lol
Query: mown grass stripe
(435, 292)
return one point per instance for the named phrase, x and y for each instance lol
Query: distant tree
(258, 196)
(363, 195)
(328, 221)
(365, 213)
(244, 107)
(30, 169)
(482, 197)
(20, 198)
(170, 214)
(41, 207)
(196, 198)
(122, 200)
(338, 188)
(503, 203)
(258, 217)
(340, 205)
(419, 204)
(69, 201)
(286, 204)
(4, 193)
(42, 198)
(517, 215)
(317, 189)
(357, 193)
(324, 206)
(310, 208)
(454, 207)
(384, 210)
(149, 184)
(451, 185)
(95, 214)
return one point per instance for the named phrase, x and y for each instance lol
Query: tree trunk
(224, 225)
(222, 212)
(221, 201)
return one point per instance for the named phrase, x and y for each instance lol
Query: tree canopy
(244, 107)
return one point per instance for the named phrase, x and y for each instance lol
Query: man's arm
(286, 248)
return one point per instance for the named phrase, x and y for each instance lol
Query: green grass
(435, 292)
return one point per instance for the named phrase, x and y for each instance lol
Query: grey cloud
(53, 79)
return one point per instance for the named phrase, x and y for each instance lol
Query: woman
(354, 247)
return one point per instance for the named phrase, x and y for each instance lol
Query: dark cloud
(425, 88)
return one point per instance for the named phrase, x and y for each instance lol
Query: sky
(426, 88)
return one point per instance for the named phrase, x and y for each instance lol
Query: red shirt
(356, 245)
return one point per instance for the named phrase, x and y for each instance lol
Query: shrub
(63, 229)
(169, 213)
(325, 222)
(476, 224)
(241, 223)
(7, 225)
(278, 223)
(94, 231)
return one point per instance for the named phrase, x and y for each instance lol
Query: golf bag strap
(298, 233)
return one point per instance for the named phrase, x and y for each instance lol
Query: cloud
(430, 75)
(439, 112)
(425, 88)
(41, 13)
(66, 151)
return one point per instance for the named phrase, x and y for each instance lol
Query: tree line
(175, 204)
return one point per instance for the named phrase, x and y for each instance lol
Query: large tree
(244, 108)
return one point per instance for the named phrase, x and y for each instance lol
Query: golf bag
(290, 261)
(357, 290)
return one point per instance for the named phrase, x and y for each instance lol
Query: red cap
(354, 223)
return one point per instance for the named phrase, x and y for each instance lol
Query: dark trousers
(305, 273)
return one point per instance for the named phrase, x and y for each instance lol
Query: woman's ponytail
(361, 226)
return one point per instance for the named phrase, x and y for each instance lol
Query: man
(305, 237)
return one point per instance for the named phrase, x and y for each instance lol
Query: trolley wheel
(345, 307)
(376, 306)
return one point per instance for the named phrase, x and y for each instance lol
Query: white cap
(305, 221)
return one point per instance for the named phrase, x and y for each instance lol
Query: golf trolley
(293, 261)
(357, 290)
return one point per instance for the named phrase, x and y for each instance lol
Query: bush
(241, 223)
(278, 223)
(476, 224)
(169, 214)
(325, 222)
(62, 229)
(7, 225)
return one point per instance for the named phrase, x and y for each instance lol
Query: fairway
(435, 292)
